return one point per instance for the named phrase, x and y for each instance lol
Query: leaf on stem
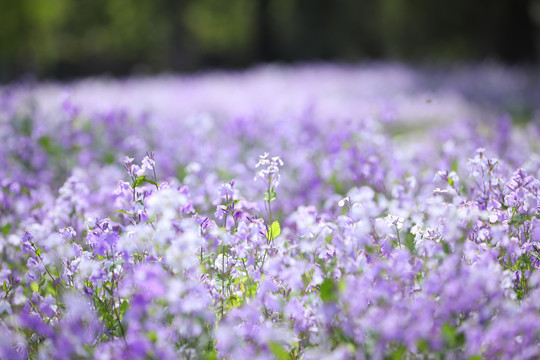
(141, 180)
(274, 231)
(279, 351)
(270, 195)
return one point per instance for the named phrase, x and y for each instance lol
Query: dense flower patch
(318, 213)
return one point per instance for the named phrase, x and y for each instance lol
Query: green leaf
(223, 249)
(519, 219)
(270, 195)
(273, 231)
(399, 353)
(123, 307)
(328, 290)
(34, 286)
(248, 288)
(422, 346)
(233, 301)
(6, 229)
(181, 172)
(104, 311)
(152, 182)
(446, 248)
(122, 211)
(339, 188)
(105, 314)
(108, 289)
(50, 289)
(475, 357)
(109, 158)
(139, 181)
(152, 336)
(210, 355)
(50, 146)
(454, 165)
(409, 242)
(151, 220)
(5, 287)
(448, 333)
(38, 252)
(452, 337)
(279, 351)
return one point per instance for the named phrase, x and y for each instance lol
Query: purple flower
(226, 191)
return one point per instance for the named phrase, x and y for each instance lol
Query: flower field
(306, 212)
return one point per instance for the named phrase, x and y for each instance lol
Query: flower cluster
(268, 169)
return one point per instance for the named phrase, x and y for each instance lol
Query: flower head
(269, 169)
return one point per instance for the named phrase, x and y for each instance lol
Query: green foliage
(279, 351)
(270, 195)
(273, 231)
(400, 352)
(339, 187)
(142, 180)
(181, 172)
(409, 242)
(34, 287)
(328, 290)
(475, 357)
(124, 307)
(222, 26)
(152, 336)
(122, 211)
(422, 346)
(6, 229)
(50, 146)
(139, 181)
(452, 336)
(455, 165)
(120, 34)
(210, 354)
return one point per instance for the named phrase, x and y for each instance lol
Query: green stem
(247, 274)
(222, 280)
(41, 259)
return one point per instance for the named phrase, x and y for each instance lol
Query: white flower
(269, 171)
(344, 201)
(90, 223)
(396, 221)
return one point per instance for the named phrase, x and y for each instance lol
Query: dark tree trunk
(264, 46)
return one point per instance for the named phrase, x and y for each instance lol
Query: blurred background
(64, 39)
